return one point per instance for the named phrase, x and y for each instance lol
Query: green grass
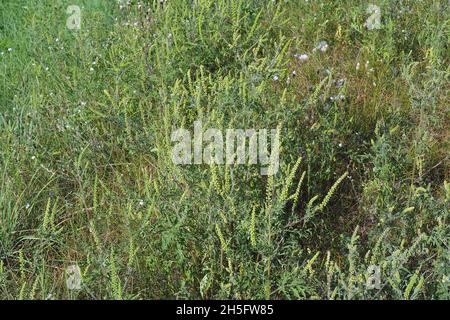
(87, 178)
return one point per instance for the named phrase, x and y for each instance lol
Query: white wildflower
(322, 46)
(302, 57)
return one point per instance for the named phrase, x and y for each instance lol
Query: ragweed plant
(358, 208)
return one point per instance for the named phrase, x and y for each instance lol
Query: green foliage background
(85, 162)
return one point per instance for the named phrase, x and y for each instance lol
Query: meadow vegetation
(86, 167)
